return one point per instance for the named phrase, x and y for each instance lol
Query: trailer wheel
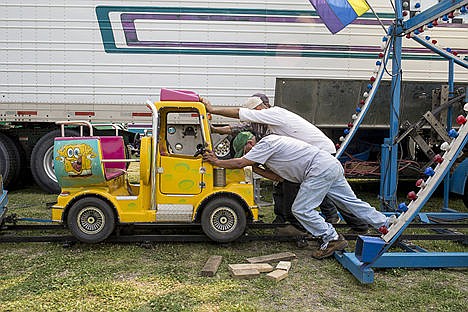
(91, 220)
(10, 161)
(42, 161)
(223, 220)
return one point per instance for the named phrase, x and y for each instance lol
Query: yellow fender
(145, 160)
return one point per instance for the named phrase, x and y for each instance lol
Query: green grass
(166, 276)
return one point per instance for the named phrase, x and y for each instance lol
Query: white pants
(334, 184)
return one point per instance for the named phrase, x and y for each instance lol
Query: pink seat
(178, 95)
(113, 147)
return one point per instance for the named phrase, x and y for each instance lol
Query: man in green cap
(319, 174)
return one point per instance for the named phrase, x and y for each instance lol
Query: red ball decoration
(434, 41)
(381, 55)
(450, 15)
(383, 229)
(350, 125)
(372, 79)
(438, 159)
(421, 29)
(362, 102)
(405, 13)
(461, 120)
(455, 53)
(420, 183)
(412, 195)
(408, 36)
(337, 146)
(435, 23)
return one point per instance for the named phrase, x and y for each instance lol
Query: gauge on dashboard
(171, 130)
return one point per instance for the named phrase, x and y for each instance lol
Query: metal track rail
(177, 232)
(198, 238)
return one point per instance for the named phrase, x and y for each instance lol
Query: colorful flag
(337, 14)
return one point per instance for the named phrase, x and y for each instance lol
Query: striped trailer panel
(103, 59)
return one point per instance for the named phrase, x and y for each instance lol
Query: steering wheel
(200, 150)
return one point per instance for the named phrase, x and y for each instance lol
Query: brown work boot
(339, 244)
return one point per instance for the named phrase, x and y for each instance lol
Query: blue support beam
(448, 127)
(448, 215)
(439, 9)
(389, 161)
(350, 262)
(443, 53)
(422, 260)
(365, 274)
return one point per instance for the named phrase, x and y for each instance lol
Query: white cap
(252, 102)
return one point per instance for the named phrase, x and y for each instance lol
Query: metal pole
(449, 126)
(389, 162)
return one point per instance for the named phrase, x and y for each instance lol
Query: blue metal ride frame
(363, 271)
(449, 126)
(389, 160)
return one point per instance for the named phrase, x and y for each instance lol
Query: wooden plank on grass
(261, 267)
(211, 266)
(277, 275)
(244, 273)
(284, 265)
(273, 257)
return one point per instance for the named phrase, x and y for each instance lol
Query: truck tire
(42, 162)
(10, 161)
(223, 220)
(91, 220)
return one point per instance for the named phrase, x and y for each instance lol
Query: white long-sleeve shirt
(283, 122)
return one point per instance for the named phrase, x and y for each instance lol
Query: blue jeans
(333, 184)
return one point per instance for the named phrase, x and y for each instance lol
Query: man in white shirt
(260, 130)
(319, 174)
(280, 121)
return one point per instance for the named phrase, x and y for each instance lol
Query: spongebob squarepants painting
(77, 161)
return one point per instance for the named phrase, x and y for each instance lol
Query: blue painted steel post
(449, 126)
(389, 163)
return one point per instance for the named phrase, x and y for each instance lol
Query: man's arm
(221, 129)
(267, 174)
(234, 163)
(223, 111)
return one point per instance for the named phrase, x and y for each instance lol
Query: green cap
(239, 142)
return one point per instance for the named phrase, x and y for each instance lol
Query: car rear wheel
(91, 220)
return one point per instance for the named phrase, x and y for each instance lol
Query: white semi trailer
(100, 61)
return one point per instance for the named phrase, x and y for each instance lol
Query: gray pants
(333, 184)
(284, 195)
